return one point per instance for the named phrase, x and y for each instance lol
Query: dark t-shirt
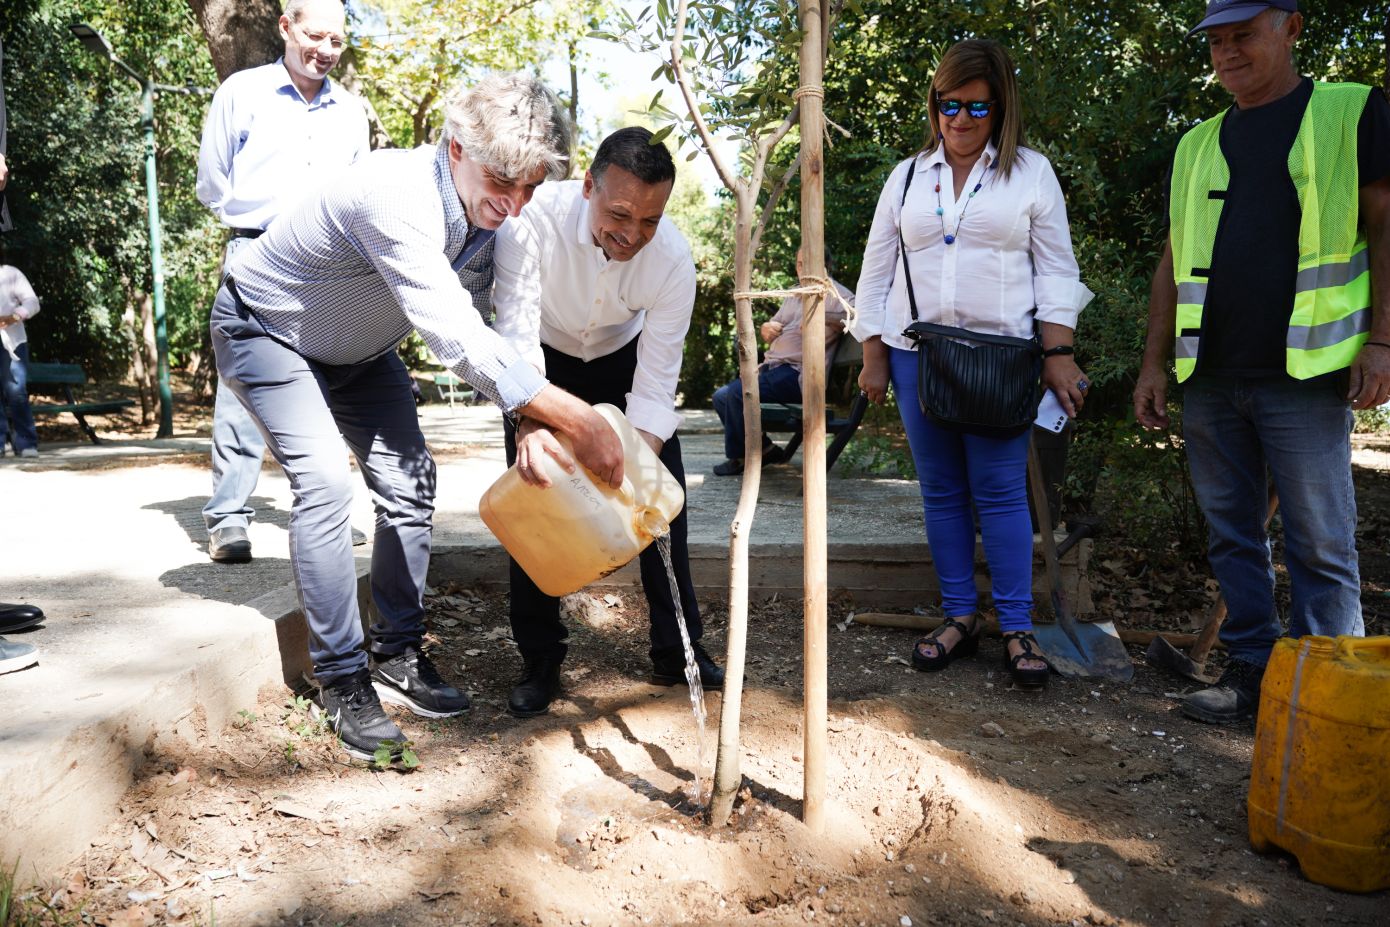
(1255, 257)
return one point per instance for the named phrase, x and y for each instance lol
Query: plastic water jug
(581, 529)
(1318, 783)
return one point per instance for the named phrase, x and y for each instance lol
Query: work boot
(538, 687)
(410, 679)
(15, 657)
(353, 710)
(1235, 697)
(668, 668)
(229, 545)
(19, 617)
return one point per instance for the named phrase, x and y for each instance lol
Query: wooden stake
(813, 410)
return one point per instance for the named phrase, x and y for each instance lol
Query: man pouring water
(596, 287)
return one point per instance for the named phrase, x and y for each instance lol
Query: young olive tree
(733, 68)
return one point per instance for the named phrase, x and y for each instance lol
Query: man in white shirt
(595, 287)
(272, 134)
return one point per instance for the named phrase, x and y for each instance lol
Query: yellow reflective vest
(1332, 295)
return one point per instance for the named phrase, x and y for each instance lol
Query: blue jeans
(775, 384)
(959, 472)
(305, 411)
(1235, 430)
(14, 401)
(237, 446)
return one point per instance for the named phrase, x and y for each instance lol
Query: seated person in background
(779, 375)
(17, 303)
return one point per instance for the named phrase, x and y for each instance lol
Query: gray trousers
(237, 446)
(306, 410)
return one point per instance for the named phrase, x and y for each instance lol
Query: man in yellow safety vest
(1279, 221)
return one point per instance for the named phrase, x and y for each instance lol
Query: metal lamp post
(94, 42)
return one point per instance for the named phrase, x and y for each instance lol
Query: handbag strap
(902, 247)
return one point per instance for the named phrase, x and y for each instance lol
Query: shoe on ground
(19, 617)
(668, 668)
(1235, 697)
(358, 538)
(729, 468)
(352, 709)
(15, 656)
(229, 545)
(538, 687)
(411, 680)
(29, 452)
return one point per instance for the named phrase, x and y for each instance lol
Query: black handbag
(974, 382)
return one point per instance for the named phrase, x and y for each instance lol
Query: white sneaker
(29, 452)
(15, 657)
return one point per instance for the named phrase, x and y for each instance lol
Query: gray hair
(294, 9)
(511, 124)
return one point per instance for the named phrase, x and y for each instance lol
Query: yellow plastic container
(580, 529)
(1320, 778)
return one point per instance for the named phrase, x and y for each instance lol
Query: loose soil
(954, 798)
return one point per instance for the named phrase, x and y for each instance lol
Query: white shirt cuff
(519, 384)
(652, 417)
(1060, 299)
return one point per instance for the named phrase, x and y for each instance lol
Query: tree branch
(729, 180)
(778, 189)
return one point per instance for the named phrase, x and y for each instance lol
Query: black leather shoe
(229, 545)
(539, 686)
(668, 668)
(19, 617)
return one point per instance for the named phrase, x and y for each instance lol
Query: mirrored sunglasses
(978, 109)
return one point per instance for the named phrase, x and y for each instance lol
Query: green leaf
(660, 135)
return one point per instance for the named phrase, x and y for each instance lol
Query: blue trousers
(1237, 430)
(14, 401)
(237, 447)
(305, 411)
(963, 475)
(781, 383)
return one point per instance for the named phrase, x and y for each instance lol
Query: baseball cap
(1221, 12)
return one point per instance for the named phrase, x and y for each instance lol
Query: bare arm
(873, 379)
(1151, 389)
(1370, 372)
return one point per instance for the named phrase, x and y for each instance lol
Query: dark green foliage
(77, 193)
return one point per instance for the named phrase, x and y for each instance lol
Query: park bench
(846, 358)
(67, 376)
(452, 389)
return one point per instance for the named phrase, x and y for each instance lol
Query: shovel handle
(1049, 543)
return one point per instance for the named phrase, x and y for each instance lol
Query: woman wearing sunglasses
(971, 232)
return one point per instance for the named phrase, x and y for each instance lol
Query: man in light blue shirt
(273, 134)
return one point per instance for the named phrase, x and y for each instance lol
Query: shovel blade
(1085, 651)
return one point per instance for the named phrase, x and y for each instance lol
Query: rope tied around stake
(822, 286)
(809, 90)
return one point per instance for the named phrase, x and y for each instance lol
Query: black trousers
(536, 624)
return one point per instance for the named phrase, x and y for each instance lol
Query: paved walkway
(147, 639)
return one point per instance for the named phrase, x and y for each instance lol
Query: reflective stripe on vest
(1332, 293)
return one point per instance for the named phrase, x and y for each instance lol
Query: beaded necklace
(950, 238)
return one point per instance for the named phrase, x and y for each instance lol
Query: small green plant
(389, 750)
(28, 909)
(300, 719)
(244, 719)
(291, 754)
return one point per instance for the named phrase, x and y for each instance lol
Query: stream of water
(698, 791)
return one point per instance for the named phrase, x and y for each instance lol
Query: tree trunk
(139, 370)
(241, 33)
(574, 86)
(347, 76)
(727, 776)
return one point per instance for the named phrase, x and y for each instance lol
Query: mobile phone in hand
(1051, 415)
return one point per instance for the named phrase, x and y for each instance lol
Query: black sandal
(941, 657)
(1032, 677)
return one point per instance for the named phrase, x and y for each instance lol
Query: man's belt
(247, 233)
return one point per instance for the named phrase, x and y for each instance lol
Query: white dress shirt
(1012, 252)
(346, 274)
(17, 297)
(264, 146)
(555, 286)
